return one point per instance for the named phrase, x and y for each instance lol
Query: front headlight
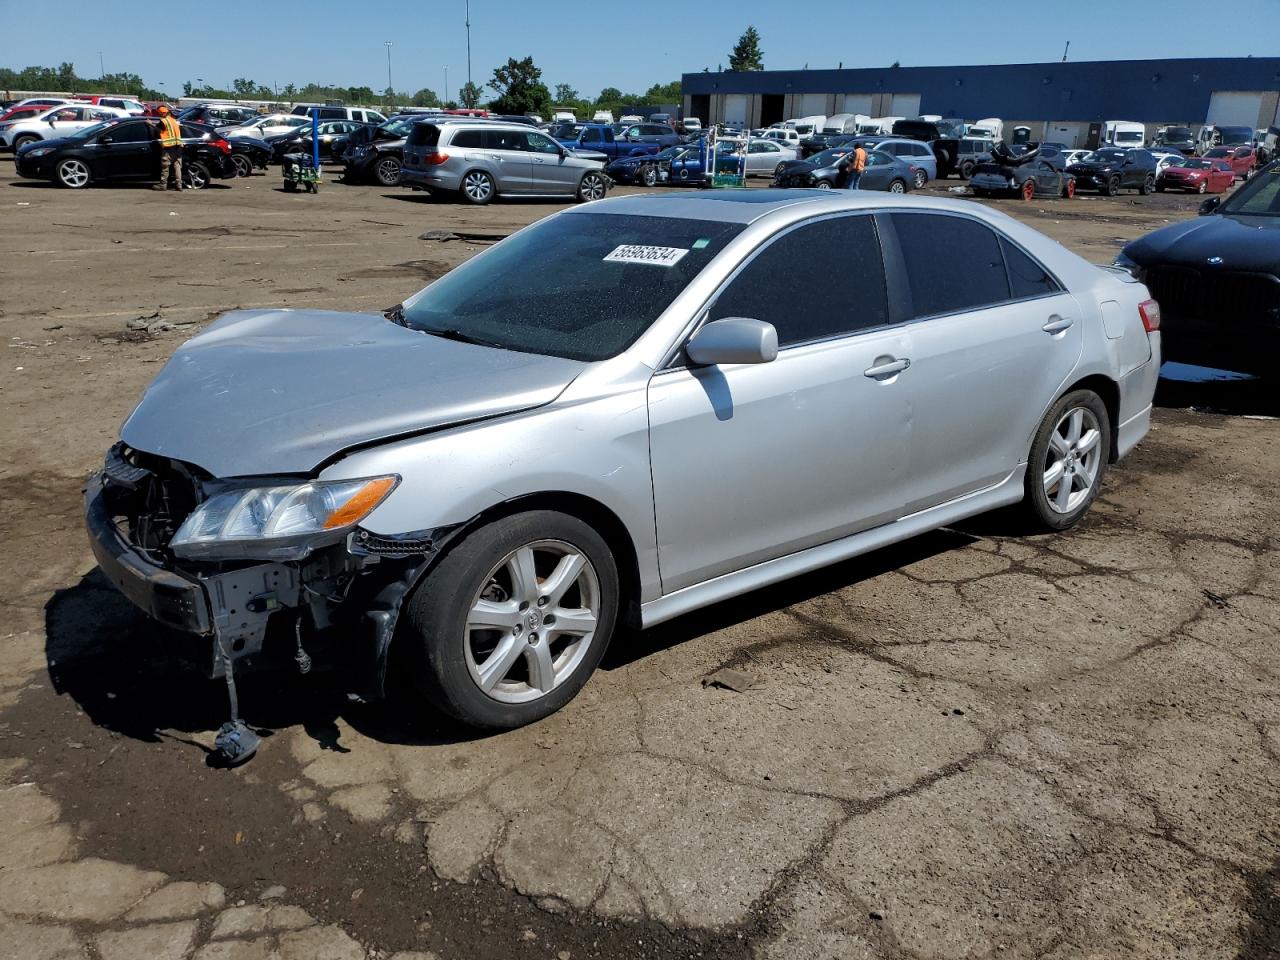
(39, 152)
(1129, 266)
(279, 522)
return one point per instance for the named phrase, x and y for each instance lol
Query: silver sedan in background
(622, 413)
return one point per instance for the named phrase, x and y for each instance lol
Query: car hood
(1094, 167)
(1243, 243)
(282, 391)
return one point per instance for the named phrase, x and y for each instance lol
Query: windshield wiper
(450, 333)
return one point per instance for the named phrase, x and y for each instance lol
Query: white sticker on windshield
(636, 253)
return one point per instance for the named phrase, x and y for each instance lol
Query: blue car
(598, 138)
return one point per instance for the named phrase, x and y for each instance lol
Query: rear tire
(243, 165)
(478, 187)
(648, 175)
(21, 141)
(898, 186)
(195, 175)
(921, 178)
(450, 652)
(387, 172)
(1028, 190)
(966, 170)
(1071, 446)
(1147, 186)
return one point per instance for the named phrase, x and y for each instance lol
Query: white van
(1124, 133)
(992, 128)
(602, 116)
(565, 115)
(691, 125)
(842, 123)
(785, 137)
(806, 126)
(884, 125)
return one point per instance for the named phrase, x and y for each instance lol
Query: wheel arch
(1109, 391)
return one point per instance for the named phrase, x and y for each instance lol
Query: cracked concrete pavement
(974, 744)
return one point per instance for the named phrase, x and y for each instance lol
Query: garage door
(813, 105)
(854, 103)
(735, 109)
(1230, 108)
(905, 105)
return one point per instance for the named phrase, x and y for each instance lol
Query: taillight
(434, 159)
(1149, 310)
(222, 145)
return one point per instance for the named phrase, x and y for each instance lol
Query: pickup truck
(599, 138)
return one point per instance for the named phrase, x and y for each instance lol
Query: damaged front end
(264, 571)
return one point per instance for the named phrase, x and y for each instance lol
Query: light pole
(468, 44)
(445, 98)
(102, 71)
(387, 44)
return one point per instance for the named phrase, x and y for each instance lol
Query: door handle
(886, 367)
(1057, 324)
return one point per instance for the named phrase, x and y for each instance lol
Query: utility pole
(387, 44)
(445, 98)
(102, 71)
(1064, 51)
(468, 43)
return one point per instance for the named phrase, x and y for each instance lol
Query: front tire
(1147, 186)
(592, 187)
(966, 170)
(1203, 187)
(1028, 190)
(898, 186)
(73, 174)
(648, 175)
(22, 141)
(387, 171)
(512, 622)
(1068, 460)
(243, 165)
(1113, 187)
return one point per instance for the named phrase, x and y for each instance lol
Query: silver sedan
(622, 413)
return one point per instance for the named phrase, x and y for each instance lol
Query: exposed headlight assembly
(278, 522)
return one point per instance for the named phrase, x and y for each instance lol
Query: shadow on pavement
(1217, 391)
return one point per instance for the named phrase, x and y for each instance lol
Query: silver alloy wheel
(823, 185)
(592, 187)
(921, 179)
(73, 173)
(196, 176)
(1073, 459)
(388, 171)
(531, 623)
(477, 186)
(897, 187)
(243, 165)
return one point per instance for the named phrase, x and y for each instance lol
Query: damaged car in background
(622, 413)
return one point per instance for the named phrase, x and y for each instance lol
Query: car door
(878, 171)
(551, 171)
(63, 121)
(1048, 183)
(127, 151)
(512, 163)
(994, 337)
(753, 462)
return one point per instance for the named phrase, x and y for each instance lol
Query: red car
(1242, 160)
(1199, 174)
(23, 112)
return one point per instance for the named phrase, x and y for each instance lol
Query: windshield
(566, 131)
(1192, 164)
(1219, 152)
(579, 285)
(1232, 136)
(1175, 135)
(1258, 197)
(1128, 136)
(1103, 156)
(827, 157)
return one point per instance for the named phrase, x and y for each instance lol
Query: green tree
(610, 95)
(520, 89)
(747, 54)
(425, 98)
(289, 92)
(243, 86)
(565, 94)
(469, 93)
(663, 93)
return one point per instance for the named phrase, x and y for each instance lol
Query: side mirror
(105, 139)
(1210, 205)
(733, 340)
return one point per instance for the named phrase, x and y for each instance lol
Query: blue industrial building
(1058, 100)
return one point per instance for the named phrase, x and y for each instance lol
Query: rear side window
(423, 135)
(466, 139)
(820, 280)
(506, 140)
(1026, 277)
(134, 133)
(952, 263)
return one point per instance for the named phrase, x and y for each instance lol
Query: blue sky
(594, 45)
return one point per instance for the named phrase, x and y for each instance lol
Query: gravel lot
(975, 744)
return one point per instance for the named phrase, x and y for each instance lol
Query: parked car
(217, 114)
(690, 125)
(247, 153)
(1126, 134)
(1026, 175)
(130, 106)
(1197, 175)
(1217, 279)
(479, 162)
(786, 137)
(968, 153)
(1213, 136)
(380, 158)
(299, 139)
(1178, 139)
(54, 122)
(830, 170)
(1164, 157)
(599, 138)
(122, 149)
(340, 113)
(564, 433)
(916, 153)
(12, 114)
(1242, 160)
(1111, 169)
(267, 125)
(763, 157)
(673, 165)
(649, 133)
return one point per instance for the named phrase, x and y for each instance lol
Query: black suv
(1112, 169)
(123, 149)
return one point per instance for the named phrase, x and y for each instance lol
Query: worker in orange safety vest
(170, 135)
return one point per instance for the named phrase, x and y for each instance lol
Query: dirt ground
(976, 744)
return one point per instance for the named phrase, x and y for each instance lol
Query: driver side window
(541, 143)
